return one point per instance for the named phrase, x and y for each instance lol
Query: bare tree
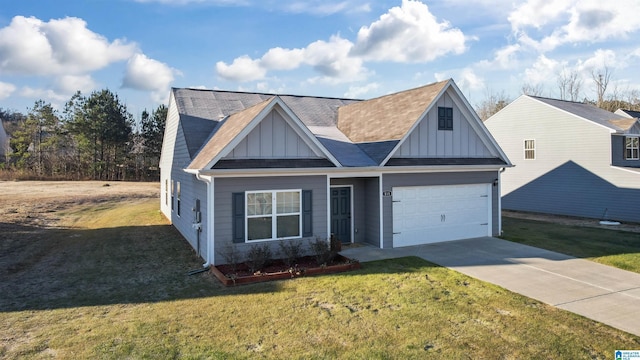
(492, 103)
(569, 84)
(601, 79)
(532, 90)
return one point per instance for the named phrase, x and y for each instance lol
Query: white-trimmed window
(173, 194)
(530, 149)
(273, 214)
(632, 148)
(178, 197)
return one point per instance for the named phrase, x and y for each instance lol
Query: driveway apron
(599, 292)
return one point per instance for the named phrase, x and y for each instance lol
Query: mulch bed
(277, 270)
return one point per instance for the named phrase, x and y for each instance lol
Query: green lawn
(607, 246)
(112, 289)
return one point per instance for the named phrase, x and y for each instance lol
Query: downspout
(210, 206)
(500, 200)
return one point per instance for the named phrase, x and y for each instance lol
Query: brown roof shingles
(228, 131)
(388, 117)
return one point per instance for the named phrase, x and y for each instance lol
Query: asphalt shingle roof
(590, 112)
(357, 133)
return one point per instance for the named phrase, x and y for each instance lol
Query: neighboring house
(409, 168)
(4, 143)
(570, 159)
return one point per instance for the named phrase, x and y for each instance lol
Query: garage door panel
(428, 214)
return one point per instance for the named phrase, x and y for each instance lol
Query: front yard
(606, 246)
(108, 279)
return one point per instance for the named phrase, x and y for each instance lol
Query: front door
(341, 213)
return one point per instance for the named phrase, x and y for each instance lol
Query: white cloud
(6, 89)
(69, 84)
(330, 58)
(358, 91)
(409, 33)
(324, 7)
(573, 21)
(282, 59)
(40, 93)
(600, 59)
(143, 73)
(241, 69)
(29, 46)
(542, 71)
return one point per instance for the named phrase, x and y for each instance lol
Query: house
(570, 159)
(4, 143)
(415, 167)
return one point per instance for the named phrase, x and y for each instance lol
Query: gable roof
(347, 132)
(589, 112)
(368, 121)
(628, 113)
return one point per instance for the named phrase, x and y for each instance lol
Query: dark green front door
(341, 213)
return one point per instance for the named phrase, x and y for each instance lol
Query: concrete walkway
(599, 292)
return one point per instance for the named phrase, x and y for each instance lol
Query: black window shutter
(307, 225)
(237, 204)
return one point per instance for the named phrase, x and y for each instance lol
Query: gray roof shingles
(586, 111)
(204, 115)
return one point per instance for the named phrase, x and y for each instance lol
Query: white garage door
(429, 214)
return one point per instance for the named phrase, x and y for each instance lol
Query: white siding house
(569, 159)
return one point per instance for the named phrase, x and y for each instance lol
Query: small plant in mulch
(291, 251)
(232, 257)
(258, 257)
(322, 251)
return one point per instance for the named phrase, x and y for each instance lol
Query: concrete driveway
(599, 292)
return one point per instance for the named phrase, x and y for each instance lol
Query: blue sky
(339, 48)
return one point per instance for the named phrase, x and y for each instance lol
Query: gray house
(570, 159)
(4, 143)
(409, 168)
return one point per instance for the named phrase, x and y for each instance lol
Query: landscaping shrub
(322, 251)
(291, 252)
(258, 257)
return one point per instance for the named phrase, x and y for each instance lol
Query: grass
(620, 249)
(110, 289)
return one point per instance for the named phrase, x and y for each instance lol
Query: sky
(139, 49)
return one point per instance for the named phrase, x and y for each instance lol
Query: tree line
(94, 137)
(570, 87)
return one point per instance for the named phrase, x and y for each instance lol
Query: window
(166, 191)
(173, 194)
(529, 149)
(273, 214)
(178, 197)
(445, 118)
(632, 148)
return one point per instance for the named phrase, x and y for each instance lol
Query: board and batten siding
(426, 179)
(272, 138)
(571, 173)
(426, 141)
(225, 187)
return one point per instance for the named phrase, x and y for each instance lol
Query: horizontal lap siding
(225, 187)
(572, 172)
(427, 179)
(191, 189)
(372, 211)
